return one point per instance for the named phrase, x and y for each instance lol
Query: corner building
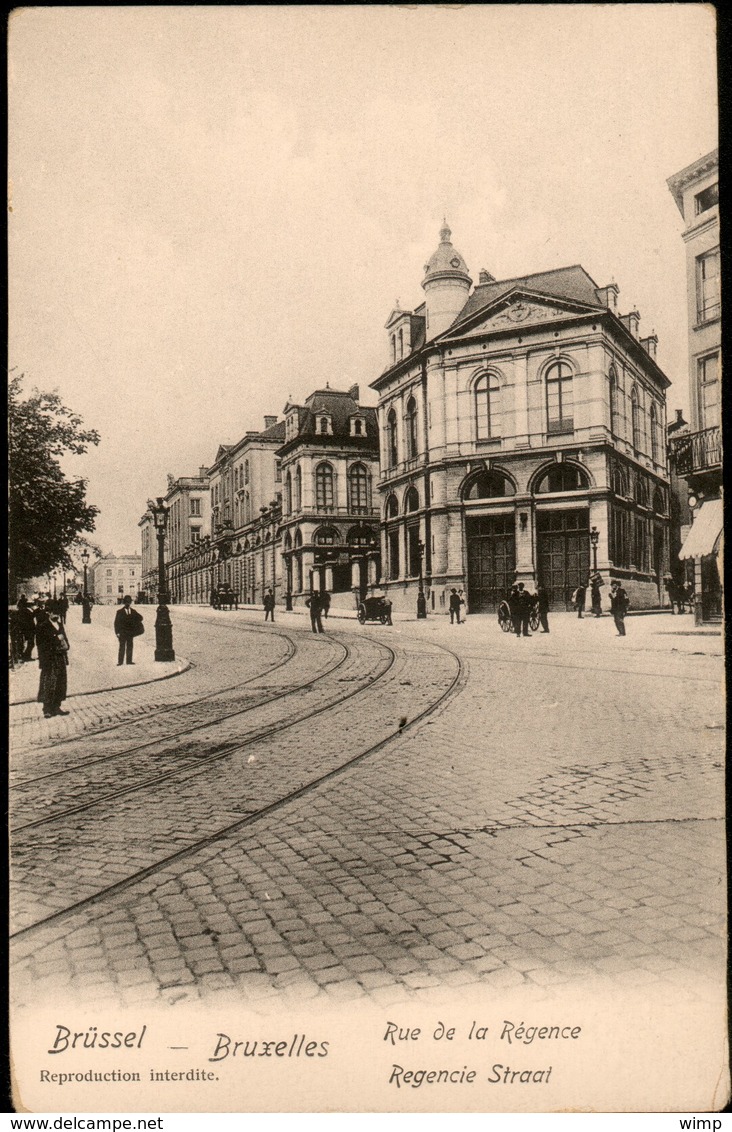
(515, 417)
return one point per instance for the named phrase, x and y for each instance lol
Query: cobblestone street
(376, 813)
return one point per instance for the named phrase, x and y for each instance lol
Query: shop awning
(705, 531)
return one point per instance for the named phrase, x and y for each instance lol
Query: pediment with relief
(522, 312)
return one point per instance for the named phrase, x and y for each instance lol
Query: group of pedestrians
(619, 602)
(521, 603)
(41, 625)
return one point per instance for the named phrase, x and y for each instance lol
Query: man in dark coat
(316, 608)
(53, 657)
(269, 605)
(26, 625)
(579, 596)
(542, 601)
(619, 606)
(596, 583)
(520, 605)
(127, 626)
(454, 606)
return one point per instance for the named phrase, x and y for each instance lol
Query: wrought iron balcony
(698, 451)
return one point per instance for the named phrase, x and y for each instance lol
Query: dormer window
(324, 425)
(358, 426)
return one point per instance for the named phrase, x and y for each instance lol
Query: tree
(47, 510)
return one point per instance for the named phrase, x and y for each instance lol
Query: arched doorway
(562, 532)
(490, 538)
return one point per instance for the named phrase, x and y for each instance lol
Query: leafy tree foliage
(48, 511)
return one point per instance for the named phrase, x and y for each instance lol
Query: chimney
(202, 473)
(269, 421)
(486, 277)
(630, 322)
(609, 296)
(354, 392)
(650, 344)
(680, 417)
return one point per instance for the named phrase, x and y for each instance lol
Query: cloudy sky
(214, 209)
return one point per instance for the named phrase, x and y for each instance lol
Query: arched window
(613, 378)
(393, 348)
(361, 536)
(401, 343)
(298, 488)
(659, 503)
(392, 454)
(326, 536)
(641, 490)
(562, 477)
(358, 489)
(392, 507)
(635, 417)
(288, 541)
(324, 487)
(488, 485)
(559, 398)
(411, 422)
(487, 407)
(411, 500)
(655, 439)
(288, 494)
(620, 480)
(246, 471)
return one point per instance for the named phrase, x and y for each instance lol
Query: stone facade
(516, 419)
(329, 503)
(113, 576)
(697, 455)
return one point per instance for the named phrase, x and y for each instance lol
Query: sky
(214, 209)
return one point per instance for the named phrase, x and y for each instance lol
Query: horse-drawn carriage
(375, 608)
(225, 598)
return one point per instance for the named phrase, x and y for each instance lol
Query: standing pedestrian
(26, 627)
(454, 607)
(519, 602)
(542, 601)
(619, 606)
(325, 603)
(578, 598)
(596, 583)
(316, 608)
(63, 607)
(53, 658)
(463, 606)
(127, 625)
(269, 605)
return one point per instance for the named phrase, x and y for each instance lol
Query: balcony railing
(698, 451)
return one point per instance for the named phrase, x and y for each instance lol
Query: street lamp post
(53, 579)
(86, 608)
(421, 599)
(594, 539)
(163, 626)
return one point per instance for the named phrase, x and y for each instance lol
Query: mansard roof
(340, 407)
(571, 283)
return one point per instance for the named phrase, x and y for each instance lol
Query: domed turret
(446, 284)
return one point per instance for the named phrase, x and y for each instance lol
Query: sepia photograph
(365, 399)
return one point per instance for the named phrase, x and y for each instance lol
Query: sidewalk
(93, 658)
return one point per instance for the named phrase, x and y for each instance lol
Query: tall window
(559, 399)
(324, 487)
(392, 454)
(411, 423)
(358, 489)
(246, 471)
(401, 343)
(392, 542)
(278, 471)
(392, 507)
(393, 348)
(298, 488)
(613, 379)
(411, 500)
(635, 417)
(488, 407)
(655, 437)
(195, 506)
(707, 286)
(413, 555)
(288, 494)
(708, 383)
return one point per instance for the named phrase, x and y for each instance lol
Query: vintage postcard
(366, 660)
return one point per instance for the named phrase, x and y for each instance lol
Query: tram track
(193, 728)
(314, 782)
(197, 766)
(177, 705)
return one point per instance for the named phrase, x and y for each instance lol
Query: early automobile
(375, 608)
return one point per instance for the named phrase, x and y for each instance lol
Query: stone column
(525, 541)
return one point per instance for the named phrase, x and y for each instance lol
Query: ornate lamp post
(163, 626)
(421, 599)
(594, 539)
(86, 614)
